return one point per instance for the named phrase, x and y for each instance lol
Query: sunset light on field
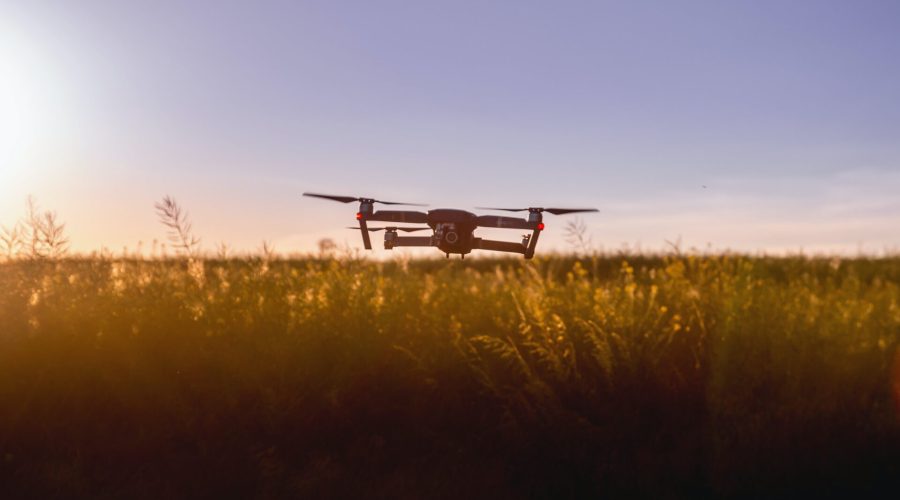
(449, 249)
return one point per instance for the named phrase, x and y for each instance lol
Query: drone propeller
(554, 211)
(404, 229)
(350, 199)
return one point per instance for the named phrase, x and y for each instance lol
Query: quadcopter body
(453, 230)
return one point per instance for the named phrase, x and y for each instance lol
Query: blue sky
(788, 113)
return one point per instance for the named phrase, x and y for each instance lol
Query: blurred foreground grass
(559, 377)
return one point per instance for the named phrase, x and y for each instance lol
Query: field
(669, 375)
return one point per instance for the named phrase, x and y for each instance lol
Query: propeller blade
(342, 199)
(404, 229)
(400, 203)
(350, 199)
(563, 211)
(504, 209)
(554, 211)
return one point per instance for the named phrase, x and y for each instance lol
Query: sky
(754, 126)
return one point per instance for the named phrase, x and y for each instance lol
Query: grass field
(678, 375)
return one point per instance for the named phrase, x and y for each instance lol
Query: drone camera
(390, 239)
(447, 233)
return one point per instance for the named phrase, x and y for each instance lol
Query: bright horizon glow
(21, 112)
(34, 113)
(787, 113)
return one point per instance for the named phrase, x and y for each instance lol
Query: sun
(30, 107)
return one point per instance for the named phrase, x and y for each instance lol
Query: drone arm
(412, 241)
(399, 216)
(511, 223)
(367, 243)
(504, 222)
(499, 246)
(532, 243)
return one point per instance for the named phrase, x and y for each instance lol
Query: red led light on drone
(358, 216)
(540, 226)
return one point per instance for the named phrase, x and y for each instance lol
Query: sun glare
(31, 107)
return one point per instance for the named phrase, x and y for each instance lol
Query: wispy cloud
(838, 212)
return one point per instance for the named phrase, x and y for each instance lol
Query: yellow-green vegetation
(343, 377)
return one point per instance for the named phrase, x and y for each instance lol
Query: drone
(453, 231)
